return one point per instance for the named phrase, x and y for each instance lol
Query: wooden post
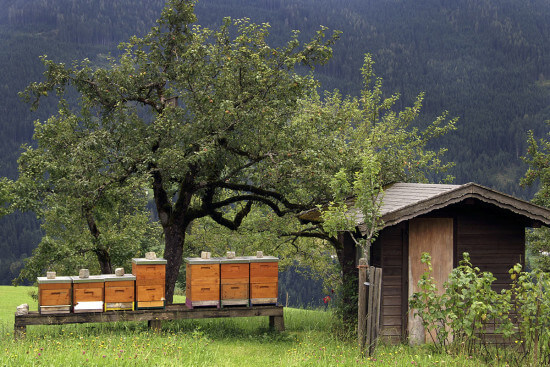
(362, 306)
(277, 322)
(155, 325)
(373, 317)
(19, 331)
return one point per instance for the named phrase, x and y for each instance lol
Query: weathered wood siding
(392, 247)
(495, 243)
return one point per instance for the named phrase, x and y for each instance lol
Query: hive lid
(90, 279)
(235, 260)
(265, 259)
(198, 260)
(115, 278)
(43, 280)
(144, 261)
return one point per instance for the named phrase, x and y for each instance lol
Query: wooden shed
(446, 221)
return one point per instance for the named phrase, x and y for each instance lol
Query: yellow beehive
(54, 295)
(119, 292)
(202, 283)
(150, 282)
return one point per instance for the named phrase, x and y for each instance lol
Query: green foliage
(377, 146)
(532, 306)
(459, 318)
(538, 175)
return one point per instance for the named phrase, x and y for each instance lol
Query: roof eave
(470, 190)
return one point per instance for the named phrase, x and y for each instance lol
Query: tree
(377, 146)
(89, 218)
(198, 116)
(538, 159)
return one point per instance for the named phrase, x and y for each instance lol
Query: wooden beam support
(154, 317)
(277, 322)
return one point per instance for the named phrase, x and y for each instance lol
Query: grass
(310, 340)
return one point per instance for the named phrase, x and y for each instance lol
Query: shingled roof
(404, 201)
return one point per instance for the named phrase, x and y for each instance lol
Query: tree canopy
(200, 117)
(538, 159)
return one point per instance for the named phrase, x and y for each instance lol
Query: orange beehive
(202, 283)
(119, 292)
(54, 295)
(234, 281)
(150, 282)
(88, 293)
(264, 279)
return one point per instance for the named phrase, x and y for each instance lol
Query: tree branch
(257, 191)
(233, 225)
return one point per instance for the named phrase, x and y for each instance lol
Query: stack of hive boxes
(119, 291)
(231, 281)
(264, 279)
(202, 283)
(235, 279)
(54, 294)
(150, 273)
(88, 292)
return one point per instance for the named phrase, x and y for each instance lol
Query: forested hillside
(485, 61)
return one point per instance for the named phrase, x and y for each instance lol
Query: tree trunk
(346, 256)
(174, 237)
(104, 260)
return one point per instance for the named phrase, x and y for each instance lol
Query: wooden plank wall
(393, 255)
(495, 243)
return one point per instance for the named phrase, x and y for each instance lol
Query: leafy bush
(469, 315)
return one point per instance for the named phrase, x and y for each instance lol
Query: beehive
(88, 293)
(234, 281)
(202, 283)
(264, 279)
(54, 295)
(150, 282)
(119, 292)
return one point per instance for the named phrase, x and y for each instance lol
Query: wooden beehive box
(150, 282)
(88, 293)
(54, 295)
(202, 282)
(119, 292)
(234, 281)
(264, 279)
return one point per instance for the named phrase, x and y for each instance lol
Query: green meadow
(310, 339)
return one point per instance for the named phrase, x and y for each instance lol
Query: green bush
(461, 319)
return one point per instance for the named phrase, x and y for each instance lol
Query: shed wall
(495, 243)
(494, 239)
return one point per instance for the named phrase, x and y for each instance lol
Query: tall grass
(310, 339)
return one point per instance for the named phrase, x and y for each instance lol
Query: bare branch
(236, 222)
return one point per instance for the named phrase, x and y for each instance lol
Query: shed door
(435, 236)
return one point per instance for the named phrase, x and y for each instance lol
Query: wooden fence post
(373, 317)
(362, 306)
